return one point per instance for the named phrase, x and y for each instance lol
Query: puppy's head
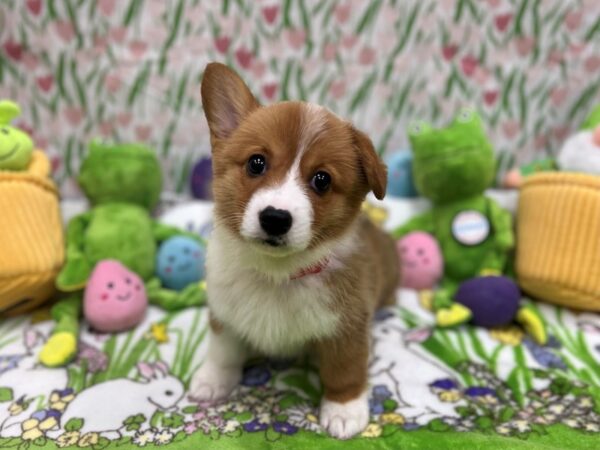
(287, 177)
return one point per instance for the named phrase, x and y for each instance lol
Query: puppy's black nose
(275, 222)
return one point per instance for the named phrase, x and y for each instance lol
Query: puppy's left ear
(226, 100)
(374, 169)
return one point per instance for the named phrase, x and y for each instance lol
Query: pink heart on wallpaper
(511, 128)
(540, 141)
(366, 56)
(118, 34)
(55, 161)
(222, 44)
(269, 90)
(490, 97)
(124, 118)
(349, 41)
(558, 95)
(13, 49)
(143, 132)
(296, 38)
(65, 30)
(524, 45)
(449, 51)
(34, 6)
(337, 88)
(244, 57)
(112, 83)
(30, 61)
(74, 115)
(107, 7)
(329, 51)
(561, 132)
(577, 48)
(106, 128)
(138, 48)
(573, 20)
(258, 68)
(342, 13)
(468, 65)
(592, 63)
(45, 83)
(270, 13)
(502, 21)
(555, 57)
(494, 3)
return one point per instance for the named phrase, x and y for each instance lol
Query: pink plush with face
(114, 298)
(421, 260)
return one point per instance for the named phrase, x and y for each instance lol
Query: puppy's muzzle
(275, 222)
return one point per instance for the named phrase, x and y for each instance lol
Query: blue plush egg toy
(180, 262)
(400, 179)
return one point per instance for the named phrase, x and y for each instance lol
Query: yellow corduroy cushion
(31, 238)
(558, 239)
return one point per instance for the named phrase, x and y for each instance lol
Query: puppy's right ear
(226, 100)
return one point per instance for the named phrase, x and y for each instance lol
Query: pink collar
(316, 268)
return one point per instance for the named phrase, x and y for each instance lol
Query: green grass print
(124, 351)
(454, 346)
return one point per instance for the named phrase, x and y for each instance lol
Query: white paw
(212, 383)
(344, 420)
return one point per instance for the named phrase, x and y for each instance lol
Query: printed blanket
(429, 388)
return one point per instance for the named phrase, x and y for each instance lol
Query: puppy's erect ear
(374, 169)
(226, 100)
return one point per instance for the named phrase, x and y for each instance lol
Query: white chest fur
(274, 317)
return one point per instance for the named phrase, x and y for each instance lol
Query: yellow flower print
(16, 408)
(391, 417)
(373, 430)
(31, 430)
(88, 439)
(509, 335)
(158, 332)
(450, 396)
(377, 214)
(48, 423)
(67, 439)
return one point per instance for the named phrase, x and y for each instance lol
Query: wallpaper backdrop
(130, 69)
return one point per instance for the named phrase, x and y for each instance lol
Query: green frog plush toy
(452, 167)
(123, 184)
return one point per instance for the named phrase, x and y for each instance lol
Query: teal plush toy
(123, 184)
(400, 178)
(180, 262)
(16, 147)
(452, 167)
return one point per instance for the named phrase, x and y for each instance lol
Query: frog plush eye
(417, 128)
(466, 115)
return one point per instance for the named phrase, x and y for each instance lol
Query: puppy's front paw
(212, 383)
(344, 420)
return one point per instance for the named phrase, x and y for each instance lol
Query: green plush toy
(452, 167)
(123, 184)
(16, 147)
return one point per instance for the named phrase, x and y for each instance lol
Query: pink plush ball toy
(421, 262)
(115, 298)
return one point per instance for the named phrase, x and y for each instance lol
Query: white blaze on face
(580, 153)
(291, 194)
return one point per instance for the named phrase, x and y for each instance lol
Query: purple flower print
(285, 428)
(479, 391)
(95, 359)
(445, 384)
(255, 426)
(256, 375)
(383, 314)
(543, 355)
(381, 392)
(8, 362)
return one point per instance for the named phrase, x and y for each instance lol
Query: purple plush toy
(201, 179)
(494, 301)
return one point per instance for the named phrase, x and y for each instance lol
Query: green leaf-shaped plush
(16, 146)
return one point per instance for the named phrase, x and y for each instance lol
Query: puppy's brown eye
(256, 166)
(320, 182)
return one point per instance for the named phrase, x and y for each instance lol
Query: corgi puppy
(292, 265)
